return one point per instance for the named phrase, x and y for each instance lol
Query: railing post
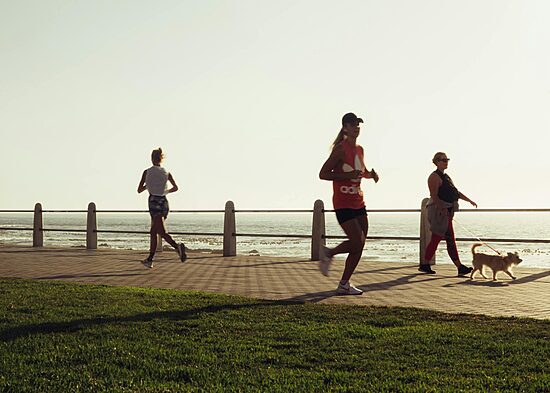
(37, 234)
(91, 228)
(425, 233)
(229, 230)
(317, 229)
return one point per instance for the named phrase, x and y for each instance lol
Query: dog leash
(470, 232)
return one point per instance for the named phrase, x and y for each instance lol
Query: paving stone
(279, 278)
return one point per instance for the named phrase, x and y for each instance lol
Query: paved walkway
(385, 284)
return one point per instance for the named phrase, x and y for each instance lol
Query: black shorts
(158, 206)
(343, 215)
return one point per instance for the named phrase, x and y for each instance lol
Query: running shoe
(147, 263)
(181, 252)
(324, 260)
(348, 289)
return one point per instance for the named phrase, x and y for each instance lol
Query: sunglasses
(444, 159)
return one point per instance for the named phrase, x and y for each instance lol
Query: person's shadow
(79, 324)
(502, 283)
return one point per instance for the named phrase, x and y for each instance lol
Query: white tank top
(155, 180)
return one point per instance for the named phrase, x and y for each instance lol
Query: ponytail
(339, 138)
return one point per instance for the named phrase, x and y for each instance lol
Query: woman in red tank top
(345, 168)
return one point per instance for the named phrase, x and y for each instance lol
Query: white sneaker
(324, 260)
(348, 289)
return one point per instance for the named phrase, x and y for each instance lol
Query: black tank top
(447, 192)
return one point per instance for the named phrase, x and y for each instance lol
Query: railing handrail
(171, 211)
(230, 233)
(481, 210)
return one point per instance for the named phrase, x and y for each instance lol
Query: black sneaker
(147, 262)
(426, 269)
(181, 252)
(464, 270)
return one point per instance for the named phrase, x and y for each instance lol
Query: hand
(473, 204)
(356, 174)
(374, 175)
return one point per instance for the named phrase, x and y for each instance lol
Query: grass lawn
(67, 337)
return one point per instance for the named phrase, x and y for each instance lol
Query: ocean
(529, 225)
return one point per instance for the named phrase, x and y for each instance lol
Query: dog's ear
(510, 254)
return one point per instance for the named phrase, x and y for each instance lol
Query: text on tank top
(347, 193)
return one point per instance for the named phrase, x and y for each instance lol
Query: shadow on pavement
(269, 263)
(532, 277)
(480, 283)
(100, 274)
(313, 297)
(503, 281)
(387, 269)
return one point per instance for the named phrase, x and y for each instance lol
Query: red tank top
(347, 193)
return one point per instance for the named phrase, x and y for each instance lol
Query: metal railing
(318, 235)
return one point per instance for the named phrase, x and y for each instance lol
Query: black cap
(351, 118)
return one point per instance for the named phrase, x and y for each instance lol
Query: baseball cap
(351, 118)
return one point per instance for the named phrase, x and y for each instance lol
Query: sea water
(530, 225)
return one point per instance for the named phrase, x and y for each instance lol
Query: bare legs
(158, 228)
(356, 230)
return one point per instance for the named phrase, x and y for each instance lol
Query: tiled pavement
(385, 284)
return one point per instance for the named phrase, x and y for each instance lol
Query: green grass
(67, 337)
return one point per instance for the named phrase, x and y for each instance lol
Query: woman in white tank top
(154, 180)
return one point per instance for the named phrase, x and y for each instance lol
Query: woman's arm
(434, 182)
(369, 174)
(174, 185)
(464, 197)
(327, 170)
(141, 185)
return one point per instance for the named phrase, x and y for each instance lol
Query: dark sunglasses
(444, 159)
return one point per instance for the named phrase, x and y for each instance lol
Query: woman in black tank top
(444, 196)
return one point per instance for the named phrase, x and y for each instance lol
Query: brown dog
(497, 263)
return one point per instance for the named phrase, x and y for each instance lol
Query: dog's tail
(474, 248)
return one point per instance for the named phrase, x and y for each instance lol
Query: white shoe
(324, 260)
(348, 289)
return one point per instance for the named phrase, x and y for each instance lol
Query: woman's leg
(453, 252)
(157, 226)
(355, 230)
(451, 244)
(161, 230)
(429, 254)
(431, 248)
(346, 246)
(153, 238)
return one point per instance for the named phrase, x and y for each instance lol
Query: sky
(245, 98)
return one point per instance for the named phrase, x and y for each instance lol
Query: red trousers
(451, 243)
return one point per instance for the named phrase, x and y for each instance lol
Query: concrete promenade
(385, 284)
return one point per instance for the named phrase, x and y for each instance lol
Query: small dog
(497, 263)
